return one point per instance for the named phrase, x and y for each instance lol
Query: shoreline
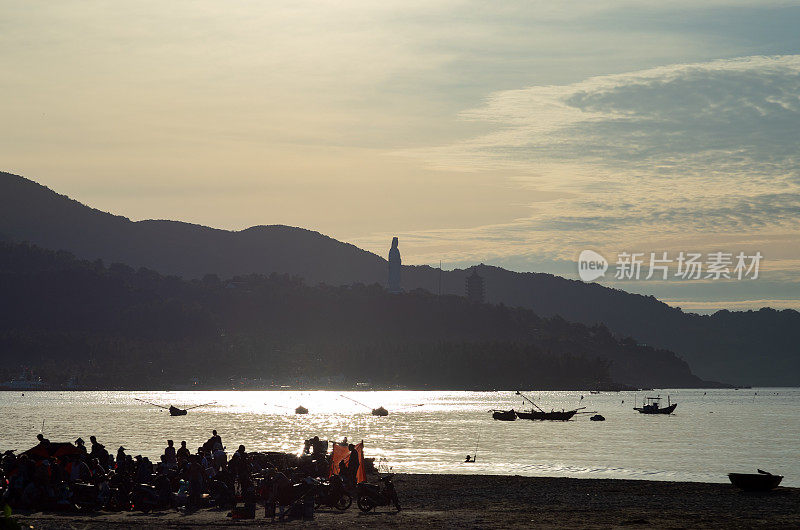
(506, 501)
(711, 385)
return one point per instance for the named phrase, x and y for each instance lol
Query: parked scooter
(332, 494)
(296, 500)
(85, 497)
(144, 497)
(372, 495)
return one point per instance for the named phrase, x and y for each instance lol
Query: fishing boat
(301, 410)
(555, 415)
(652, 405)
(380, 411)
(173, 410)
(761, 481)
(472, 459)
(504, 415)
(537, 413)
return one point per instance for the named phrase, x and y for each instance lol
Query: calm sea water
(712, 433)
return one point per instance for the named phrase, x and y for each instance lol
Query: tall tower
(474, 287)
(394, 267)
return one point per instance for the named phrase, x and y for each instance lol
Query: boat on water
(504, 415)
(173, 410)
(380, 411)
(538, 413)
(652, 405)
(761, 481)
(554, 415)
(301, 410)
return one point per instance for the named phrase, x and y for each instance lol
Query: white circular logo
(591, 265)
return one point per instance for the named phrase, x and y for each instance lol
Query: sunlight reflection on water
(431, 432)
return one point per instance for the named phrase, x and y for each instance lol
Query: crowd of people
(72, 476)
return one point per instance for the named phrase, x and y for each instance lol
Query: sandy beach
(476, 501)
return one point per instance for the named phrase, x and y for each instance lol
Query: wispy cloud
(708, 147)
(281, 112)
(709, 150)
(736, 106)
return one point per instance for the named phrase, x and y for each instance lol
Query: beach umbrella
(65, 449)
(57, 449)
(37, 452)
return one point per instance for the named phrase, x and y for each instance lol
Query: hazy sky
(514, 133)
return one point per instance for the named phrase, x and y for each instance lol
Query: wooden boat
(173, 410)
(380, 411)
(761, 481)
(555, 415)
(504, 415)
(537, 413)
(652, 406)
(301, 410)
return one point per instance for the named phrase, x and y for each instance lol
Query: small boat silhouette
(761, 481)
(652, 406)
(173, 410)
(504, 415)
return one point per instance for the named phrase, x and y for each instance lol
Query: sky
(515, 134)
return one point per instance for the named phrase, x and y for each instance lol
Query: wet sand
(476, 501)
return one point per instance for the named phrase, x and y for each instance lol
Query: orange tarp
(341, 452)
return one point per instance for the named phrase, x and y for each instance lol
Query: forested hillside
(116, 327)
(759, 348)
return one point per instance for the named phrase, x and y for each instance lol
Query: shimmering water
(712, 432)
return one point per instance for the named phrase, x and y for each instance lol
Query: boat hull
(504, 415)
(654, 410)
(755, 482)
(565, 415)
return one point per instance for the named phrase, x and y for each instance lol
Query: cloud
(690, 157)
(706, 147)
(734, 109)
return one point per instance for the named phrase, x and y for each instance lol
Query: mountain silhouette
(751, 347)
(32, 212)
(118, 327)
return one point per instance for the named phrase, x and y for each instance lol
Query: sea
(711, 433)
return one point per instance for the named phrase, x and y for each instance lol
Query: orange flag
(342, 453)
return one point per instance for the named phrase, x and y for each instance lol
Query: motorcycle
(144, 497)
(332, 494)
(85, 496)
(372, 495)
